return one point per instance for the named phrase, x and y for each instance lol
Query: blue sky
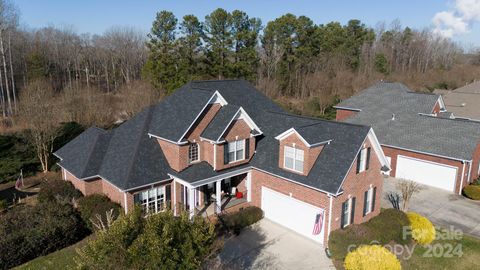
(97, 16)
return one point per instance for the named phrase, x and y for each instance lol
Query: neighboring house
(215, 146)
(417, 135)
(463, 102)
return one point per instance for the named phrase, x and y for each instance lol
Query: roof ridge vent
(393, 117)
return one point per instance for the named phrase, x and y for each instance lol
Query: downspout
(461, 179)
(125, 202)
(470, 171)
(329, 216)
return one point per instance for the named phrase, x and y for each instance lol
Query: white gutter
(345, 108)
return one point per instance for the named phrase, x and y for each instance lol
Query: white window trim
(198, 153)
(363, 160)
(147, 212)
(294, 159)
(349, 211)
(369, 201)
(235, 151)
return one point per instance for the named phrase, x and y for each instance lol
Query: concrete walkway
(266, 245)
(443, 208)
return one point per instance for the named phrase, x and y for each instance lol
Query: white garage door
(426, 172)
(293, 214)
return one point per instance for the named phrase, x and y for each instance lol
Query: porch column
(218, 196)
(249, 186)
(191, 202)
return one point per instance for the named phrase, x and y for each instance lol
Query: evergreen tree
(190, 46)
(161, 66)
(218, 40)
(245, 36)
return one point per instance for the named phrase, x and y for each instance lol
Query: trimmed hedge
(91, 205)
(371, 257)
(472, 191)
(58, 191)
(382, 229)
(423, 230)
(243, 218)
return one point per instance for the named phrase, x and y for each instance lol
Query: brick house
(422, 141)
(219, 146)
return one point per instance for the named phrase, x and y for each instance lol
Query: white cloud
(458, 20)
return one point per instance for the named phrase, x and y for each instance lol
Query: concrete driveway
(266, 245)
(443, 208)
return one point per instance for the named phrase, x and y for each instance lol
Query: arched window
(193, 152)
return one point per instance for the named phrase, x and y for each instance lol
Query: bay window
(152, 201)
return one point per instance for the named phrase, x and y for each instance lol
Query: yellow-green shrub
(423, 230)
(472, 191)
(374, 257)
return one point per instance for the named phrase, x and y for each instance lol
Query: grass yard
(61, 259)
(447, 252)
(428, 258)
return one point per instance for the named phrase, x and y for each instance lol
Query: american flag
(317, 227)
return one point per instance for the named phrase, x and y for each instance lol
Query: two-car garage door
(293, 214)
(426, 172)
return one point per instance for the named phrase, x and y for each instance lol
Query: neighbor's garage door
(291, 213)
(426, 172)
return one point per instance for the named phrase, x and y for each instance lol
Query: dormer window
(236, 151)
(293, 159)
(193, 153)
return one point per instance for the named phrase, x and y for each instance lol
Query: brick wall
(436, 108)
(99, 186)
(239, 130)
(310, 154)
(475, 163)
(344, 114)
(202, 122)
(176, 155)
(354, 185)
(394, 152)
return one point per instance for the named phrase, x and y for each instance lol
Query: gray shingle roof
(219, 122)
(128, 158)
(391, 98)
(409, 129)
(463, 102)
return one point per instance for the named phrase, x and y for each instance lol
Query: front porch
(215, 197)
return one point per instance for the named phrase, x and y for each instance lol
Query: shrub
(243, 218)
(58, 191)
(3, 205)
(384, 228)
(158, 241)
(92, 205)
(472, 191)
(423, 230)
(371, 257)
(27, 232)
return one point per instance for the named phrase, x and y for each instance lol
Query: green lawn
(434, 258)
(61, 259)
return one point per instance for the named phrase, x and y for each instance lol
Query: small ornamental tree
(423, 230)
(374, 257)
(55, 190)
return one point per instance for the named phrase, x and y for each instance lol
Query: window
(363, 160)
(369, 201)
(293, 159)
(236, 151)
(152, 200)
(193, 152)
(348, 212)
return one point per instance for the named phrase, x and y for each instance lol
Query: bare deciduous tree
(407, 189)
(40, 113)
